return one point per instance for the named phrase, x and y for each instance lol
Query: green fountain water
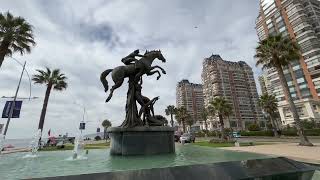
(59, 163)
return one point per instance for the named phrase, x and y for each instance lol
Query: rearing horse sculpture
(139, 68)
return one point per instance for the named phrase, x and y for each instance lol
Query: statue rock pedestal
(141, 140)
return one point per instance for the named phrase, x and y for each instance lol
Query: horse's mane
(152, 51)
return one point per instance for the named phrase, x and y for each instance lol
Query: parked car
(235, 134)
(188, 138)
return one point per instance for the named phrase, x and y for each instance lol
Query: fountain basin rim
(140, 129)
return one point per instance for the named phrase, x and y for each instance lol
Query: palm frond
(276, 51)
(17, 33)
(51, 77)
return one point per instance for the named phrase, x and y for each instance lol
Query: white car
(188, 138)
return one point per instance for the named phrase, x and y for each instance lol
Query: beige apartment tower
(235, 82)
(299, 20)
(190, 96)
(263, 85)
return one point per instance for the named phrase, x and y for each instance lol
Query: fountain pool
(59, 163)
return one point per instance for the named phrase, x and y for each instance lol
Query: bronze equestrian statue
(134, 69)
(138, 68)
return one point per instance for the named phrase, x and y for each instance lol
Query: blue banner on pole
(82, 126)
(16, 109)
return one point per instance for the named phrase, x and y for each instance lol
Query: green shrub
(256, 133)
(289, 132)
(200, 134)
(254, 127)
(209, 133)
(213, 133)
(312, 132)
(227, 130)
(97, 138)
(308, 132)
(308, 124)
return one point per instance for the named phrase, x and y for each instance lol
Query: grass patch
(97, 145)
(208, 144)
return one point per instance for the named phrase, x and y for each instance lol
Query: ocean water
(18, 143)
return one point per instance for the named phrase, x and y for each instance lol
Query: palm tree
(204, 116)
(15, 36)
(181, 116)
(105, 124)
(189, 121)
(171, 110)
(219, 106)
(52, 79)
(269, 105)
(275, 52)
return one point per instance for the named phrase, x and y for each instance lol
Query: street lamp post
(13, 103)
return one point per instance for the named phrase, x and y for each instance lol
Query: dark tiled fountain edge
(280, 168)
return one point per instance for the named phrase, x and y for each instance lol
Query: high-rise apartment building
(299, 20)
(235, 82)
(263, 85)
(190, 96)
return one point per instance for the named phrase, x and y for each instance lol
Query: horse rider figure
(131, 58)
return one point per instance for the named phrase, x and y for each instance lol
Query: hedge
(308, 132)
(209, 133)
(286, 132)
(312, 132)
(256, 133)
(289, 132)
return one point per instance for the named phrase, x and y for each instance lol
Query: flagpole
(13, 103)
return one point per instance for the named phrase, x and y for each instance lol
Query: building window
(298, 73)
(282, 29)
(303, 86)
(300, 80)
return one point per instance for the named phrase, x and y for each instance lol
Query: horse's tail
(103, 79)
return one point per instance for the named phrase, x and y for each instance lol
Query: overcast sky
(84, 38)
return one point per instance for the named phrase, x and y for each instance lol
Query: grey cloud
(83, 39)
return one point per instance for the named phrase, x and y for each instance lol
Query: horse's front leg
(156, 66)
(152, 72)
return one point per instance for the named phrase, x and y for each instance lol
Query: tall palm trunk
(171, 119)
(274, 127)
(104, 133)
(303, 138)
(183, 126)
(44, 107)
(206, 127)
(223, 136)
(1, 59)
